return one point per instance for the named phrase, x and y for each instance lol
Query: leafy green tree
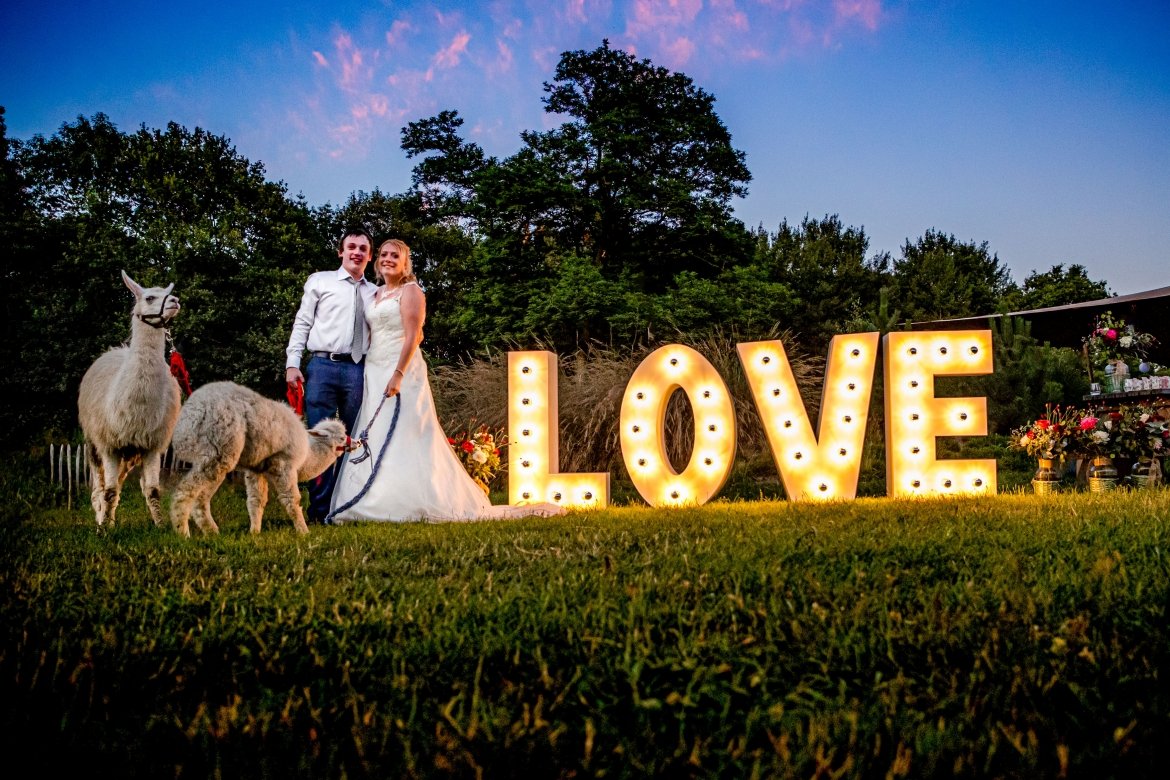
(637, 183)
(644, 172)
(823, 263)
(939, 277)
(444, 182)
(25, 407)
(171, 205)
(1057, 286)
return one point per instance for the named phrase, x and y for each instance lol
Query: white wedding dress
(419, 477)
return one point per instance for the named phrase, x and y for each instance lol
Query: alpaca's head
(153, 305)
(329, 434)
(327, 442)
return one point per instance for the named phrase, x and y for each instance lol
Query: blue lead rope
(364, 439)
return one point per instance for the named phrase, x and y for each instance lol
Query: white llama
(128, 405)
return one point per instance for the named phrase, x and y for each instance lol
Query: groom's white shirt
(324, 319)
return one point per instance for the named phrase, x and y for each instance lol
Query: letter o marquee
(643, 439)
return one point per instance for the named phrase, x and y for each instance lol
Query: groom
(331, 325)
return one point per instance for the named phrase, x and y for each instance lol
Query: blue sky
(1042, 128)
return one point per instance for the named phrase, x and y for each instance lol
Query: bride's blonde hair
(404, 255)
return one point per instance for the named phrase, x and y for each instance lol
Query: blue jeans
(332, 389)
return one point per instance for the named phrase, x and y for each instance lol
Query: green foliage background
(614, 228)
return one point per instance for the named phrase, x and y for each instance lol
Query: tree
(171, 205)
(643, 159)
(823, 263)
(445, 182)
(939, 277)
(645, 163)
(1057, 287)
(637, 184)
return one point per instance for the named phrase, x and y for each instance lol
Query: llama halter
(158, 319)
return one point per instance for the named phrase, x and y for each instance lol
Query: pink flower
(1111, 334)
(1088, 422)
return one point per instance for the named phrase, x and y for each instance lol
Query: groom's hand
(292, 375)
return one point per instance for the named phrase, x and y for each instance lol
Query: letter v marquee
(824, 466)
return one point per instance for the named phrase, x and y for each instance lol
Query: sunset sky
(1042, 128)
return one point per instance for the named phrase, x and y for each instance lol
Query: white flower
(479, 456)
(1100, 436)
(1125, 341)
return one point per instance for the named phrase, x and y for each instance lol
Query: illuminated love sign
(823, 466)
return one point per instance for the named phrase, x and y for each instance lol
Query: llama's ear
(317, 434)
(167, 291)
(133, 285)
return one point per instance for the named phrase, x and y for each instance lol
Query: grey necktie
(357, 341)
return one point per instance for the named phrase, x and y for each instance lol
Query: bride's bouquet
(478, 449)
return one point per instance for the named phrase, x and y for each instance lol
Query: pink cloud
(504, 59)
(655, 15)
(320, 58)
(449, 55)
(397, 32)
(865, 11)
(354, 73)
(679, 52)
(512, 29)
(575, 11)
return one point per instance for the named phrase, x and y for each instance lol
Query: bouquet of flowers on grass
(1049, 436)
(478, 449)
(1112, 342)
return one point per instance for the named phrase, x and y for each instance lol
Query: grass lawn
(1010, 636)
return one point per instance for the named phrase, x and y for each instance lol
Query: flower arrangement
(1094, 435)
(1113, 345)
(478, 449)
(1049, 436)
(1139, 432)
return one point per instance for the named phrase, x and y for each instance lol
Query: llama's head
(330, 433)
(153, 305)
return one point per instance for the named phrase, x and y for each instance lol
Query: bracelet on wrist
(399, 371)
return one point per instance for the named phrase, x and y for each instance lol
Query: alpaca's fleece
(128, 404)
(226, 426)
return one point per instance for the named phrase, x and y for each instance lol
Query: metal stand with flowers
(1047, 439)
(1143, 436)
(479, 452)
(1096, 438)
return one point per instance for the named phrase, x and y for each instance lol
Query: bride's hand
(395, 384)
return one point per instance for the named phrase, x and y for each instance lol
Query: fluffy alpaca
(128, 404)
(225, 426)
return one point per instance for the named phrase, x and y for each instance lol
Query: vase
(1102, 474)
(1145, 473)
(1047, 478)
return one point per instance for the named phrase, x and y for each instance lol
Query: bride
(419, 476)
